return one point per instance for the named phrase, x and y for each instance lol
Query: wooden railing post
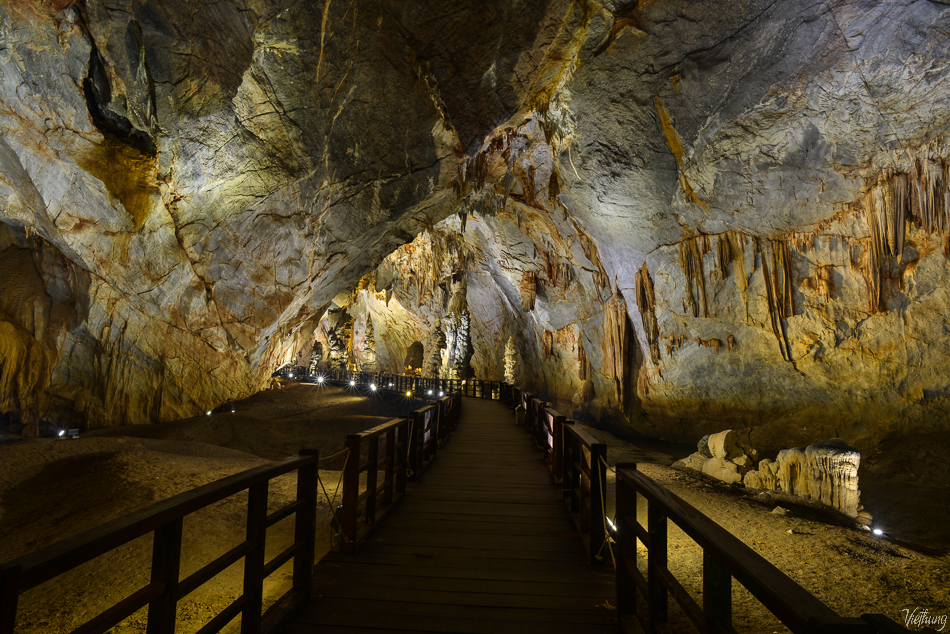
(401, 474)
(415, 447)
(254, 560)
(351, 493)
(557, 447)
(390, 466)
(166, 564)
(372, 475)
(626, 509)
(598, 480)
(656, 561)
(305, 524)
(9, 598)
(717, 593)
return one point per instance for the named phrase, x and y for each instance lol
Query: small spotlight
(441, 393)
(352, 383)
(877, 531)
(290, 376)
(430, 392)
(408, 393)
(372, 386)
(319, 379)
(390, 385)
(208, 413)
(62, 432)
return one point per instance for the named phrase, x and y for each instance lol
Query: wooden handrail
(725, 558)
(411, 445)
(164, 519)
(584, 486)
(377, 500)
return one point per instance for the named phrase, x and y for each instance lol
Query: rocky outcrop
(511, 361)
(737, 211)
(825, 472)
(727, 456)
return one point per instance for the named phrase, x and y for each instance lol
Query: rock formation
(739, 211)
(826, 472)
(434, 347)
(316, 357)
(511, 361)
(369, 348)
(730, 456)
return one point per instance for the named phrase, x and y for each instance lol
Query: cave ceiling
(687, 216)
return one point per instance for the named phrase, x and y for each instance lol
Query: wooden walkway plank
(482, 545)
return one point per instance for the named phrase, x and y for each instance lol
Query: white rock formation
(511, 361)
(732, 456)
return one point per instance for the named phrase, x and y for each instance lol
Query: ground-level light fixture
(408, 393)
(319, 379)
(352, 383)
(208, 413)
(877, 531)
(372, 386)
(290, 376)
(441, 393)
(62, 432)
(430, 392)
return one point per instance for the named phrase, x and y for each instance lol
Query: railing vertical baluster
(351, 493)
(598, 482)
(305, 524)
(166, 564)
(626, 517)
(390, 466)
(9, 597)
(717, 593)
(372, 475)
(576, 457)
(254, 560)
(656, 561)
(403, 464)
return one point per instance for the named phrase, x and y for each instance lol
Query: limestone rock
(511, 361)
(826, 472)
(693, 461)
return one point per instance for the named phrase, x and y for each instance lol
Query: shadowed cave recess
(676, 217)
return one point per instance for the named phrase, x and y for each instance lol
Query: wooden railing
(165, 589)
(582, 476)
(411, 444)
(416, 385)
(376, 499)
(724, 558)
(584, 486)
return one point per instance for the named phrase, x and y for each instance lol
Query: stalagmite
(511, 361)
(826, 472)
(434, 347)
(316, 357)
(369, 347)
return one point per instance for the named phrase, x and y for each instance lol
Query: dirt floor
(52, 489)
(904, 485)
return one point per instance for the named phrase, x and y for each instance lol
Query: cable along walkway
(482, 544)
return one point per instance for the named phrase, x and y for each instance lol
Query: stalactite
(715, 344)
(583, 364)
(776, 270)
(529, 290)
(616, 342)
(730, 249)
(547, 345)
(646, 303)
(692, 251)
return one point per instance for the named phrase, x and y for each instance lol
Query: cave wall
(689, 216)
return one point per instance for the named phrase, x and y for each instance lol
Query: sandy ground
(52, 489)
(904, 485)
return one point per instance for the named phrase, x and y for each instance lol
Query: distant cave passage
(414, 357)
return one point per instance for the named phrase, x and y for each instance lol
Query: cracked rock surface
(686, 216)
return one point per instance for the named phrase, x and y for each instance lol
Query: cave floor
(484, 544)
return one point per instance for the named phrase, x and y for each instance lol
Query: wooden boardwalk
(483, 544)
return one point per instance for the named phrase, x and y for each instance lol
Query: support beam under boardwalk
(483, 544)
